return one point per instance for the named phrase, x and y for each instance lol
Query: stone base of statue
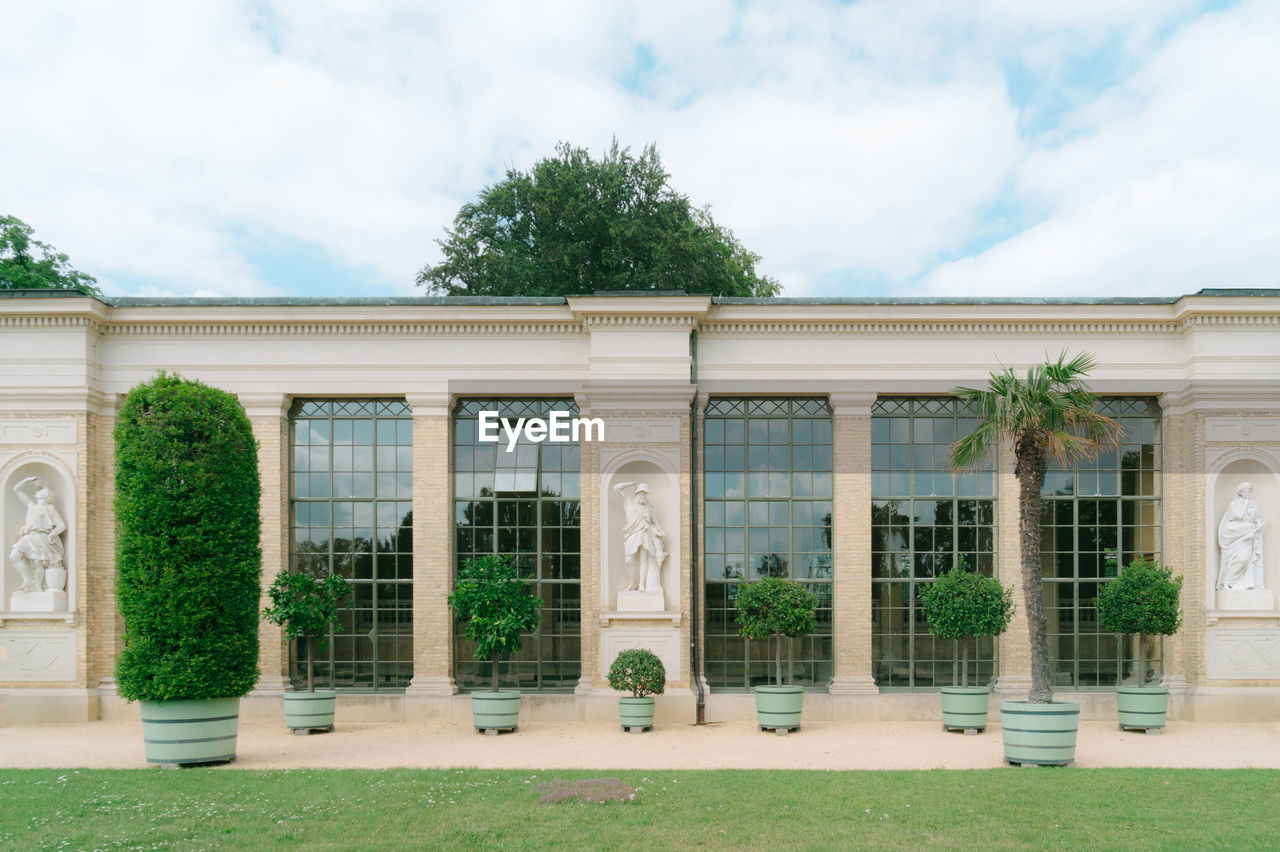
(1250, 599)
(651, 601)
(47, 601)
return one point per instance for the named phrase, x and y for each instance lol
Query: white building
(791, 436)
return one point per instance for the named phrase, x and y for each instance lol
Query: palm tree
(1050, 414)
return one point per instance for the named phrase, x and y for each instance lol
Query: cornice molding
(310, 327)
(885, 327)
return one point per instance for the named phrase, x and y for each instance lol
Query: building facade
(747, 438)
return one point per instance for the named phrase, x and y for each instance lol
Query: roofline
(515, 301)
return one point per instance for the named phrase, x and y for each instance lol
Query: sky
(869, 148)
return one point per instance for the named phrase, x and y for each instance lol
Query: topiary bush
(963, 604)
(306, 606)
(497, 607)
(1142, 600)
(638, 671)
(187, 554)
(776, 607)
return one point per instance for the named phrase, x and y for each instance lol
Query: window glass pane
(924, 521)
(333, 529)
(1100, 516)
(525, 505)
(780, 529)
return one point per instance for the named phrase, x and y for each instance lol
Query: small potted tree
(187, 565)
(963, 605)
(1143, 600)
(498, 609)
(306, 606)
(774, 607)
(640, 672)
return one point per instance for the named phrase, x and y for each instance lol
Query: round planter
(964, 707)
(636, 712)
(499, 711)
(1040, 733)
(778, 707)
(1142, 706)
(307, 711)
(198, 731)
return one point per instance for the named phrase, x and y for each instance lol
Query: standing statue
(642, 540)
(1240, 537)
(39, 545)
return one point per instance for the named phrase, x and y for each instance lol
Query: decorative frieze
(1236, 429)
(37, 655)
(23, 432)
(1241, 653)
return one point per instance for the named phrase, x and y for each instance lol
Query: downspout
(695, 619)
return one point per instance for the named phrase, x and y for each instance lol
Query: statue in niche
(1240, 538)
(37, 554)
(642, 540)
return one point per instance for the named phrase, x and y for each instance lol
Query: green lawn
(1044, 808)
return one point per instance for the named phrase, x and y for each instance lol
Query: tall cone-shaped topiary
(187, 549)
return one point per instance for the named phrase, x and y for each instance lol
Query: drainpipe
(695, 619)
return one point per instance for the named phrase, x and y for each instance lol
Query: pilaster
(269, 416)
(1014, 647)
(432, 546)
(851, 592)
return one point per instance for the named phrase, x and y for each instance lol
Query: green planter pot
(1043, 734)
(778, 707)
(964, 707)
(200, 731)
(636, 712)
(1142, 706)
(498, 711)
(309, 711)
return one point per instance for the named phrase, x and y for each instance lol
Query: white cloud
(1167, 183)
(167, 143)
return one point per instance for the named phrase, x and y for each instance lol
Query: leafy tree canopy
(20, 269)
(575, 225)
(496, 606)
(1142, 600)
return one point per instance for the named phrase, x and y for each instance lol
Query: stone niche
(634, 621)
(61, 594)
(1239, 468)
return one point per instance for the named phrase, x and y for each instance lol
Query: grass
(1041, 808)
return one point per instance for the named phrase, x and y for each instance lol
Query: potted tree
(963, 605)
(306, 606)
(498, 610)
(640, 672)
(1049, 414)
(187, 565)
(774, 607)
(1143, 600)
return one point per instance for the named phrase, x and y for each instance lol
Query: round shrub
(638, 671)
(776, 607)
(187, 554)
(1142, 600)
(963, 604)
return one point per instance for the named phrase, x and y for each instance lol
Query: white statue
(642, 540)
(38, 550)
(1240, 537)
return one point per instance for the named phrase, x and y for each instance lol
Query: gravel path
(588, 745)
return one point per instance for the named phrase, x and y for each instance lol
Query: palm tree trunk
(1031, 467)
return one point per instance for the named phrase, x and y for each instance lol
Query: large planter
(309, 711)
(495, 711)
(964, 707)
(185, 732)
(1142, 707)
(1043, 734)
(636, 713)
(778, 707)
